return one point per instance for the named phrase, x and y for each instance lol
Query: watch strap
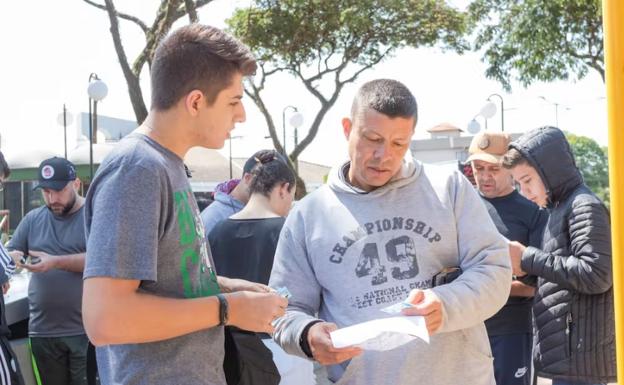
(223, 309)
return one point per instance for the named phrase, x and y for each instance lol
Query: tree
(326, 44)
(538, 40)
(592, 161)
(168, 13)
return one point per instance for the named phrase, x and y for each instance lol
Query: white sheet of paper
(381, 334)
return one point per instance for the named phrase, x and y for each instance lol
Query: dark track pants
(512, 358)
(60, 360)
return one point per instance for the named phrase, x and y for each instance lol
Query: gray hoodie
(223, 207)
(344, 254)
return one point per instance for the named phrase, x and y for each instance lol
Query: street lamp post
(486, 112)
(556, 109)
(473, 126)
(64, 119)
(502, 104)
(284, 126)
(230, 139)
(97, 91)
(296, 120)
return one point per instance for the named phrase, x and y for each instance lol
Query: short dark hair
(513, 158)
(196, 57)
(386, 96)
(271, 169)
(5, 170)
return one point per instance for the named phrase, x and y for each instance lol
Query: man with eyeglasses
(50, 242)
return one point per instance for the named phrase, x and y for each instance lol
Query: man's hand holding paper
(427, 304)
(323, 349)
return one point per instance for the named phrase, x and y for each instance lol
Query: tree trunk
(301, 188)
(134, 86)
(136, 98)
(168, 12)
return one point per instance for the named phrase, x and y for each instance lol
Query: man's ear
(347, 126)
(193, 101)
(77, 183)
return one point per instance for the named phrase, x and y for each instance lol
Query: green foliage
(593, 162)
(538, 40)
(326, 44)
(289, 33)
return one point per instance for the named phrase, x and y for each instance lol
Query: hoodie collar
(228, 200)
(409, 171)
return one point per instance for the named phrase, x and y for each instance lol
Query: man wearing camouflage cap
(517, 219)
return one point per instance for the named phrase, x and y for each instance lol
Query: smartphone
(445, 276)
(29, 260)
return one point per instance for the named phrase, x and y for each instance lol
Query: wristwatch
(303, 339)
(223, 309)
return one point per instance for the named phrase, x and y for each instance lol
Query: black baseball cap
(55, 173)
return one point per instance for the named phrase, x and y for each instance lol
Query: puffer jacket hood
(548, 151)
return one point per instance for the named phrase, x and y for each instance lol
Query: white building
(446, 144)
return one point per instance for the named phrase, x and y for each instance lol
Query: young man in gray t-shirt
(152, 300)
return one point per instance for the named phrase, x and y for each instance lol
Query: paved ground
(544, 381)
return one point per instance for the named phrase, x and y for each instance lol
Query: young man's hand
(519, 289)
(230, 285)
(516, 249)
(427, 304)
(255, 311)
(322, 348)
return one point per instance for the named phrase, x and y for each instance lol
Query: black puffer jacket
(573, 306)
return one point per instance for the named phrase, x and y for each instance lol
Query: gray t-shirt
(143, 223)
(55, 297)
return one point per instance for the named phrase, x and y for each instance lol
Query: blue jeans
(567, 382)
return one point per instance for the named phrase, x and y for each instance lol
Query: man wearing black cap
(228, 204)
(50, 242)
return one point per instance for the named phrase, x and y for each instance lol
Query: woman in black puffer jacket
(573, 304)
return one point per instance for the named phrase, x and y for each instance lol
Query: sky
(51, 48)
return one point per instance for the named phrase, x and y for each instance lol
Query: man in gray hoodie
(375, 235)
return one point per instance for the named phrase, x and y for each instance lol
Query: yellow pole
(613, 21)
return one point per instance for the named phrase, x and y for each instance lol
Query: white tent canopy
(30, 158)
(80, 155)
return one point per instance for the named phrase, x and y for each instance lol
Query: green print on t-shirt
(195, 251)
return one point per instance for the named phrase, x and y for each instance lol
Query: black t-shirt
(245, 248)
(517, 219)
